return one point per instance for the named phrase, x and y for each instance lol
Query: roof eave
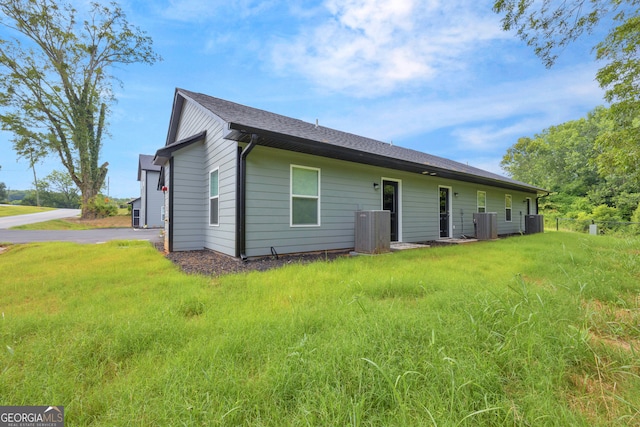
(303, 145)
(164, 154)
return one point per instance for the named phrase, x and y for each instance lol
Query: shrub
(607, 218)
(99, 207)
(635, 219)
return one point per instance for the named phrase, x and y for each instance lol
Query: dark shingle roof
(145, 162)
(296, 135)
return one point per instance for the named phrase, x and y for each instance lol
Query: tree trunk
(90, 187)
(35, 183)
(88, 197)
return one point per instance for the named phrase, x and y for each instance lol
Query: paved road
(13, 221)
(99, 235)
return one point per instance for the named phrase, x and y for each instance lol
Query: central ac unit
(373, 232)
(486, 225)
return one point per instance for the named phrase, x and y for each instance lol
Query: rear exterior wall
(152, 200)
(346, 187)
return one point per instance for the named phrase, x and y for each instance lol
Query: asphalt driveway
(99, 235)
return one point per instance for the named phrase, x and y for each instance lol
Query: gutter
(538, 200)
(325, 149)
(241, 205)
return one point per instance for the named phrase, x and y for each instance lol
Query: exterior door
(390, 203)
(445, 212)
(136, 218)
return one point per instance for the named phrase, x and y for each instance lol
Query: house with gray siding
(135, 212)
(148, 210)
(247, 182)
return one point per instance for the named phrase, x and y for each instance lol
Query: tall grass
(535, 330)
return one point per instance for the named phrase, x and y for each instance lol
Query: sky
(438, 76)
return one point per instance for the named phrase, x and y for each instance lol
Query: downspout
(171, 174)
(146, 197)
(241, 205)
(538, 201)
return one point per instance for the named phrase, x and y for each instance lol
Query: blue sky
(439, 76)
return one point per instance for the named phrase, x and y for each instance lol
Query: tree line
(590, 164)
(572, 161)
(56, 190)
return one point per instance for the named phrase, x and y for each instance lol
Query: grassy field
(540, 330)
(20, 210)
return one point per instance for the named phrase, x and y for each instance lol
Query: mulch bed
(210, 263)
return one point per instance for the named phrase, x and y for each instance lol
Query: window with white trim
(305, 196)
(482, 201)
(214, 198)
(508, 204)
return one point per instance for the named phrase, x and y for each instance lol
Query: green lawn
(20, 210)
(528, 331)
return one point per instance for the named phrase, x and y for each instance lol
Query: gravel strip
(210, 263)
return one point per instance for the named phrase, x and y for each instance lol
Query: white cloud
(528, 106)
(373, 47)
(491, 164)
(479, 127)
(491, 136)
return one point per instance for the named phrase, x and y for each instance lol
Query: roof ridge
(279, 124)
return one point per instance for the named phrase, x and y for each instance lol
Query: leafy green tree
(55, 81)
(4, 195)
(560, 158)
(564, 159)
(549, 26)
(29, 198)
(3, 191)
(635, 219)
(61, 190)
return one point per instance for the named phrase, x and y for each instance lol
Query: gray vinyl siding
(268, 201)
(465, 205)
(152, 200)
(189, 207)
(192, 212)
(135, 204)
(420, 208)
(347, 187)
(222, 155)
(143, 190)
(189, 214)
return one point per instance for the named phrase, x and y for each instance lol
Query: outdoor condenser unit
(486, 225)
(533, 224)
(373, 232)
